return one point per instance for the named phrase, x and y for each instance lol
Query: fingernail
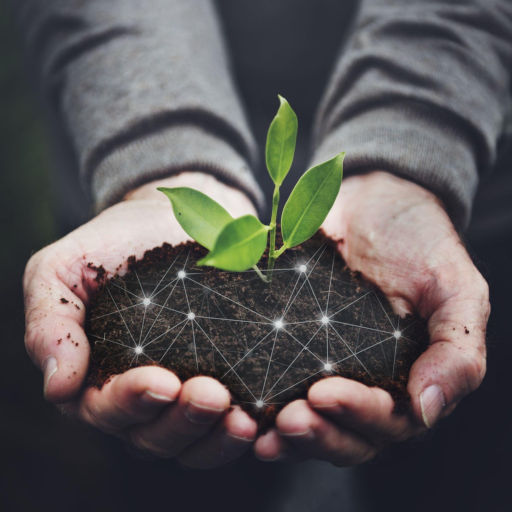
(240, 438)
(271, 459)
(432, 403)
(49, 369)
(305, 434)
(330, 407)
(231, 444)
(151, 397)
(202, 414)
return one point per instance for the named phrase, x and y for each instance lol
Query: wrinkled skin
(399, 236)
(394, 232)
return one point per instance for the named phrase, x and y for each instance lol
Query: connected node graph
(265, 342)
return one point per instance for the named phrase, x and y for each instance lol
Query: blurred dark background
(48, 462)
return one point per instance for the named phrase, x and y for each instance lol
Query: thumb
(454, 365)
(54, 336)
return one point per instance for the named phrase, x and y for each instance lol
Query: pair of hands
(395, 232)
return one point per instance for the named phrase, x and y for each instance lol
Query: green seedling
(238, 244)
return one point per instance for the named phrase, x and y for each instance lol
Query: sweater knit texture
(421, 89)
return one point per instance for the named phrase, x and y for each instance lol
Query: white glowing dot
(325, 320)
(146, 301)
(302, 268)
(259, 404)
(327, 367)
(191, 315)
(278, 324)
(397, 335)
(138, 350)
(182, 274)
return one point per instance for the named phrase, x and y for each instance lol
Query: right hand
(148, 406)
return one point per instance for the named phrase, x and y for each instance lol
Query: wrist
(234, 200)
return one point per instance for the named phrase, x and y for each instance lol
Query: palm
(128, 228)
(399, 236)
(147, 405)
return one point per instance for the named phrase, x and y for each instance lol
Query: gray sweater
(145, 90)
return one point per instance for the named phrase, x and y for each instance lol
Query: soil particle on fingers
(268, 343)
(101, 273)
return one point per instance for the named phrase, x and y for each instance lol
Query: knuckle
(368, 454)
(474, 368)
(143, 444)
(402, 433)
(482, 289)
(350, 459)
(35, 262)
(197, 461)
(94, 417)
(31, 339)
(482, 286)
(31, 266)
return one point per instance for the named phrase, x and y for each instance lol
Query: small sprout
(238, 244)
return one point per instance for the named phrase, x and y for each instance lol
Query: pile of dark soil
(266, 343)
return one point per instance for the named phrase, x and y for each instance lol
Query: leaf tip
(165, 190)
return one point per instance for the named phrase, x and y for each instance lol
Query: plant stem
(260, 273)
(273, 224)
(279, 252)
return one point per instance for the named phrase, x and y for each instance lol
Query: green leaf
(281, 138)
(202, 218)
(310, 201)
(239, 245)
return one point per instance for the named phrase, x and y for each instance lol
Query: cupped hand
(149, 406)
(400, 237)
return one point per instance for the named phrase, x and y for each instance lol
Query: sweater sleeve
(422, 90)
(143, 89)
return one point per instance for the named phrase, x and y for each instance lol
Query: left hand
(401, 239)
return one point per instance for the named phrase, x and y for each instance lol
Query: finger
(202, 402)
(359, 408)
(270, 446)
(318, 437)
(228, 441)
(134, 397)
(54, 337)
(454, 365)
